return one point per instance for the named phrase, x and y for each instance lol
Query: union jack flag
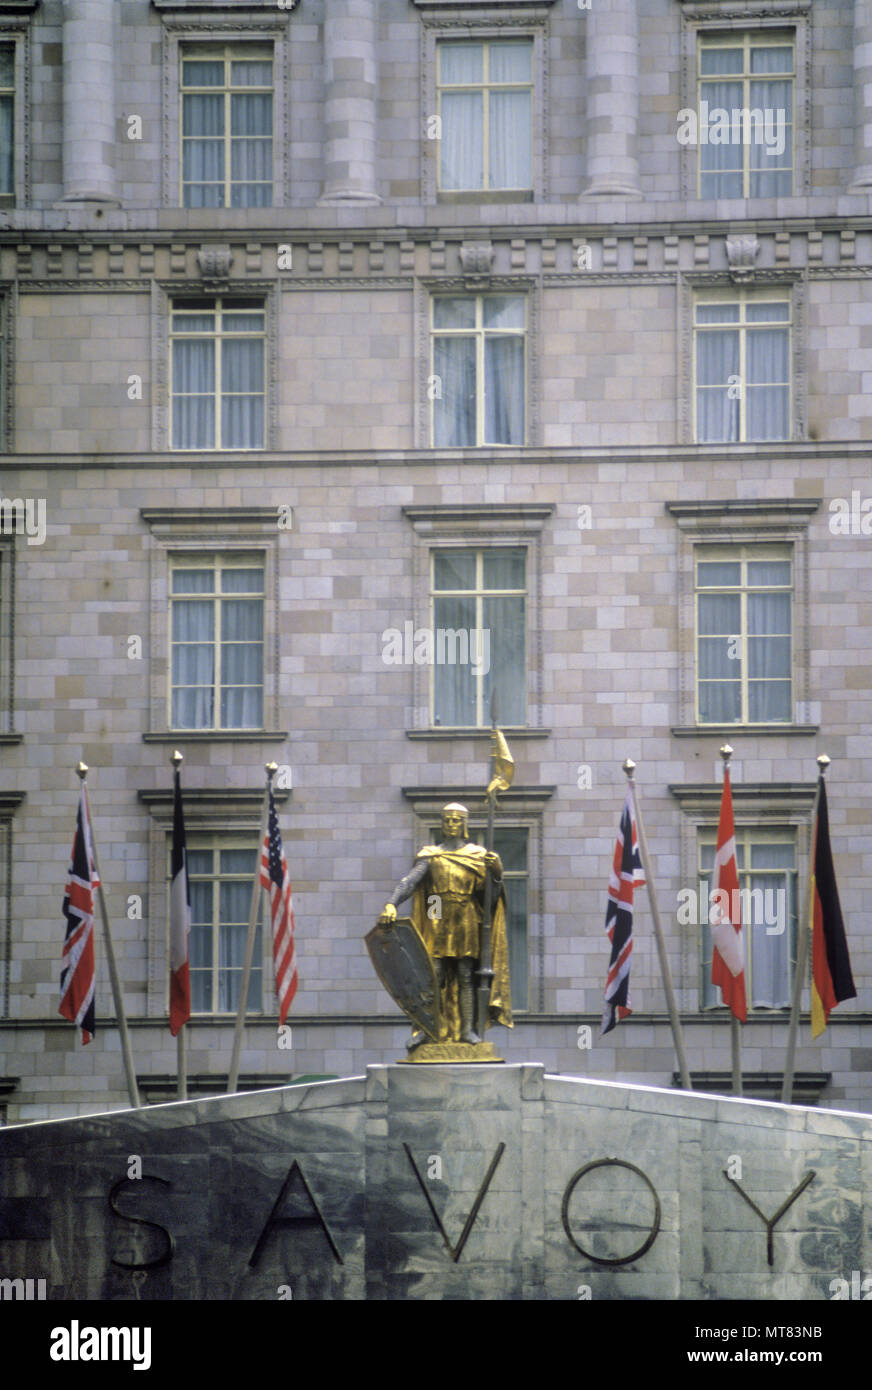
(77, 964)
(274, 878)
(626, 874)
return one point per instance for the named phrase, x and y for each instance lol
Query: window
(485, 96)
(479, 631)
(221, 875)
(7, 124)
(216, 667)
(766, 861)
(746, 95)
(742, 357)
(478, 370)
(227, 127)
(218, 373)
(744, 628)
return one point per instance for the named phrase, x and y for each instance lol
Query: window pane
(453, 683)
(504, 619)
(717, 356)
(720, 703)
(770, 855)
(504, 569)
(719, 573)
(509, 139)
(238, 321)
(715, 662)
(238, 861)
(717, 313)
(242, 620)
(767, 355)
(462, 144)
(454, 313)
(509, 62)
(503, 311)
(7, 146)
(251, 114)
(201, 72)
(719, 613)
(454, 569)
(768, 701)
(198, 581)
(504, 390)
(194, 366)
(202, 116)
(721, 60)
(193, 621)
(251, 72)
(454, 409)
(772, 59)
(242, 581)
(767, 313)
(242, 365)
(461, 62)
(768, 412)
(773, 572)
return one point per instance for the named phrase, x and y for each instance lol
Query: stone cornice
(594, 456)
(745, 506)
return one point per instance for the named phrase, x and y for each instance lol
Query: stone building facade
(327, 324)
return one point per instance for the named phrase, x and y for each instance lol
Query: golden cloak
(457, 879)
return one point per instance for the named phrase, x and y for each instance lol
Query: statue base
(430, 1052)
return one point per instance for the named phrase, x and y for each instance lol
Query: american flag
(274, 878)
(77, 964)
(626, 874)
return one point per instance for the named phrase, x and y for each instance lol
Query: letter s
(167, 1254)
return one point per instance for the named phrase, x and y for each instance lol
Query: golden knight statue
(462, 922)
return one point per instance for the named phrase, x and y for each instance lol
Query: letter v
(455, 1251)
(770, 1222)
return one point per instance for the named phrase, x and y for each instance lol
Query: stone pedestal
(350, 113)
(612, 95)
(89, 130)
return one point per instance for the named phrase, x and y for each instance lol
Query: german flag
(831, 978)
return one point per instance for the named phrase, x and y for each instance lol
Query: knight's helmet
(457, 809)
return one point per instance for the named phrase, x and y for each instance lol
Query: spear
(503, 771)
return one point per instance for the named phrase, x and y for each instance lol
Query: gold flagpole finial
(726, 753)
(270, 769)
(629, 767)
(177, 758)
(823, 763)
(81, 771)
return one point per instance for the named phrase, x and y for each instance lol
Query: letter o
(564, 1211)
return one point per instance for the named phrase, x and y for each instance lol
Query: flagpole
(130, 1070)
(177, 759)
(735, 1031)
(629, 768)
(233, 1078)
(823, 763)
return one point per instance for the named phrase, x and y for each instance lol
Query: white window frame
(742, 554)
(453, 24)
(704, 18)
(486, 87)
(228, 53)
(747, 40)
(742, 298)
(218, 305)
(744, 522)
(192, 29)
(479, 593)
(216, 842)
(480, 333)
(746, 837)
(218, 562)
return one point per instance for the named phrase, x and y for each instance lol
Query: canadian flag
(725, 913)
